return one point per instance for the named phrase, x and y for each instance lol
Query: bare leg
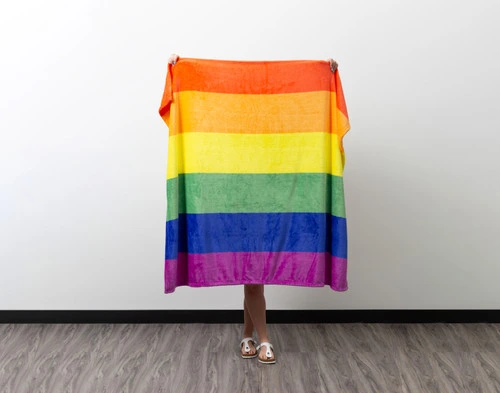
(255, 303)
(248, 329)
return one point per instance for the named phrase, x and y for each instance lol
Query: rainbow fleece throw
(254, 185)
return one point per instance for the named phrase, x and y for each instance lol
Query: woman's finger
(173, 58)
(333, 65)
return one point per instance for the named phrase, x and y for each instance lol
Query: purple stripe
(307, 269)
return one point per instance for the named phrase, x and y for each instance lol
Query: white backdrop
(83, 150)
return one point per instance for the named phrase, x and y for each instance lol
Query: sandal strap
(268, 345)
(245, 341)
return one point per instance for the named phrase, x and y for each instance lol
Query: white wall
(83, 150)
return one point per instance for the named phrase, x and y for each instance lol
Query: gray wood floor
(200, 358)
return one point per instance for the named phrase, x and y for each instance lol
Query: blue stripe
(236, 232)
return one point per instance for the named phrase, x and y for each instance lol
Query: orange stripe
(252, 77)
(197, 111)
(167, 97)
(337, 86)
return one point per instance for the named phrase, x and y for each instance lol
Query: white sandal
(247, 347)
(268, 352)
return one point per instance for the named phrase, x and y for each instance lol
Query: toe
(263, 356)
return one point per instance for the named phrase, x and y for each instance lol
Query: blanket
(254, 185)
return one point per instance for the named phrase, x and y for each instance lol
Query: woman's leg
(255, 303)
(248, 328)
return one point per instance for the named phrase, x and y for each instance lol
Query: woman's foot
(262, 353)
(252, 348)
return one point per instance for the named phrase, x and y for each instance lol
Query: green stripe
(255, 193)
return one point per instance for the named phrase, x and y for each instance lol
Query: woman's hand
(333, 65)
(173, 58)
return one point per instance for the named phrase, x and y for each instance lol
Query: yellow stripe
(196, 111)
(254, 153)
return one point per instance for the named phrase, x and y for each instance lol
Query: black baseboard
(236, 316)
